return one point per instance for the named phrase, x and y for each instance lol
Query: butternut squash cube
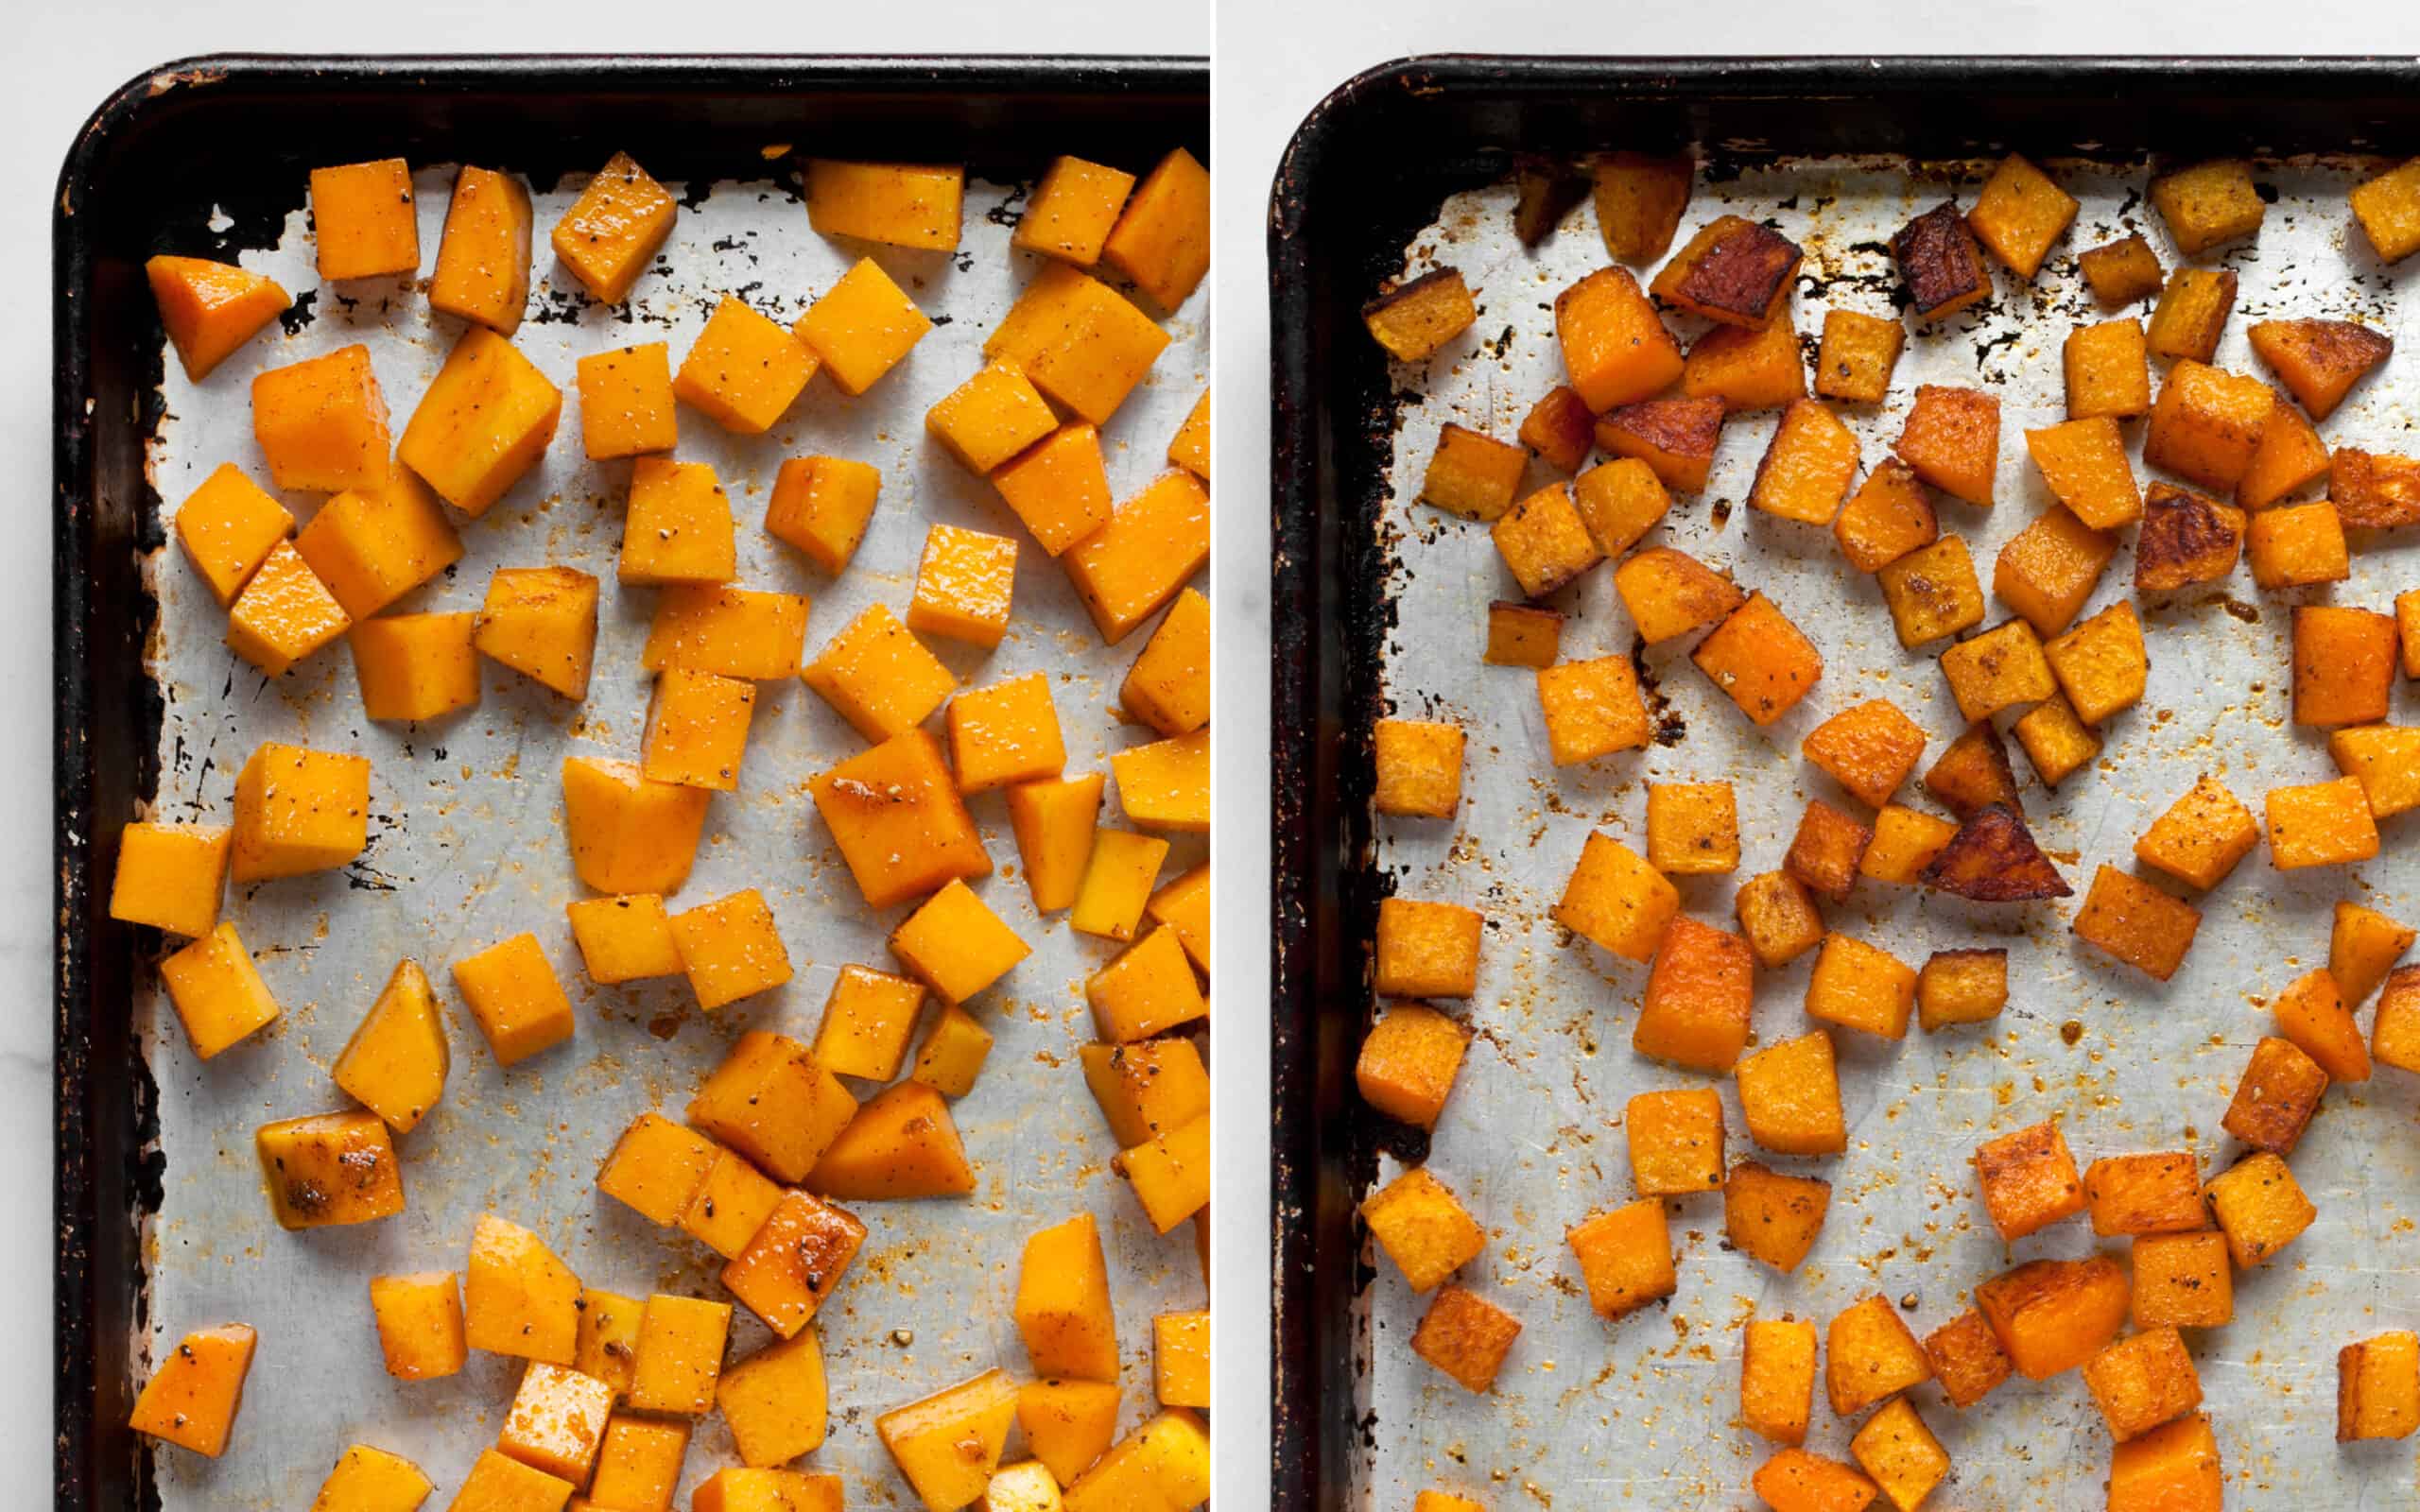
(2185, 540)
(2394, 1038)
(898, 203)
(1559, 428)
(1614, 347)
(1117, 883)
(2316, 1017)
(1675, 438)
(678, 526)
(2385, 760)
(2051, 1315)
(1668, 594)
(1789, 1093)
(2101, 665)
(2259, 1206)
(2274, 1100)
(955, 945)
(2145, 1194)
(1860, 987)
(1640, 198)
(2375, 492)
(861, 327)
(1418, 765)
(1544, 542)
(497, 1482)
(896, 814)
(1423, 1228)
(2322, 824)
(2028, 1180)
(2319, 361)
(1806, 471)
(1619, 501)
(1696, 1008)
(363, 220)
(1692, 828)
(1408, 1064)
(2206, 425)
(878, 676)
(396, 1060)
(1083, 344)
(1772, 1217)
(170, 876)
(767, 1491)
(194, 1393)
(2136, 922)
(1150, 1087)
(1058, 485)
(1778, 919)
(1054, 823)
(298, 811)
(482, 270)
(732, 1204)
(1762, 660)
(1170, 1173)
(2184, 1279)
(1777, 1378)
(731, 632)
(1904, 844)
(1797, 1481)
(1961, 986)
(1951, 439)
(697, 730)
(283, 614)
(1869, 749)
(517, 1298)
(1069, 1424)
(628, 834)
(1869, 1356)
(420, 1324)
(775, 1403)
(371, 1480)
(1932, 591)
(1939, 262)
(557, 1421)
(2018, 213)
(512, 995)
(774, 1104)
(2297, 545)
(2085, 465)
(487, 418)
(1427, 948)
(228, 526)
(609, 1338)
(1471, 474)
(1625, 1257)
(730, 949)
(820, 504)
(1966, 1358)
(1162, 239)
(990, 417)
(2377, 1387)
(1615, 899)
(2001, 669)
(744, 370)
(1125, 570)
(867, 1019)
(322, 424)
(1824, 853)
(1415, 320)
(639, 1465)
(2363, 945)
(1467, 1337)
(953, 1053)
(2208, 204)
(680, 1354)
(612, 232)
(1733, 271)
(416, 666)
(2201, 836)
(1747, 370)
(1063, 1307)
(1675, 1140)
(329, 1169)
(1072, 210)
(541, 623)
(1900, 1452)
(901, 1144)
(1180, 1360)
(1522, 635)
(656, 1167)
(2056, 741)
(1889, 516)
(2344, 663)
(2121, 271)
(2388, 211)
(2193, 312)
(1855, 360)
(1004, 734)
(209, 309)
(2291, 457)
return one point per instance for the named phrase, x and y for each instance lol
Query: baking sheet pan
(466, 833)
(1639, 1411)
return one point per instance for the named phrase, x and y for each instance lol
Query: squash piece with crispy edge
(1692, 829)
(1952, 440)
(2101, 665)
(1901, 1455)
(193, 1393)
(2291, 457)
(1967, 1359)
(1762, 660)
(1423, 1227)
(1747, 370)
(2170, 1469)
(1778, 919)
(1772, 1217)
(2085, 465)
(2407, 620)
(2362, 946)
(1854, 362)
(1889, 516)
(1860, 987)
(2313, 1014)
(2208, 204)
(2157, 1194)
(1408, 1064)
(1870, 1356)
(1667, 593)
(1733, 271)
(1471, 474)
(1869, 749)
(1592, 709)
(1617, 901)
(1805, 473)
(1790, 1095)
(2051, 1315)
(1932, 591)
(1640, 198)
(2207, 423)
(1614, 347)
(2186, 1280)
(2374, 490)
(2275, 1099)
(2108, 371)
(209, 309)
(1625, 1257)
(2345, 661)
(1674, 436)
(1415, 320)
(2142, 1382)
(2384, 759)
(517, 1298)
(2388, 211)
(2048, 570)
(2320, 824)
(1559, 428)
(2297, 545)
(1777, 1378)
(947, 1445)
(2028, 1180)
(2001, 669)
(2121, 271)
(1675, 1140)
(1696, 1007)
(2019, 214)
(2377, 1387)
(1797, 1481)
(1543, 542)
(1961, 986)
(2319, 361)
(1825, 852)
(2191, 313)
(1994, 859)
(1466, 1336)
(2259, 1206)
(2136, 922)
(901, 1144)
(1940, 264)
(2185, 539)
(2056, 741)
(1619, 501)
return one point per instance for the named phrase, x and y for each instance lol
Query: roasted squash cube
(1772, 1217)
(861, 327)
(298, 811)
(1082, 343)
(1523, 635)
(1900, 1452)
(372, 546)
(1870, 750)
(1860, 987)
(1967, 1359)
(1168, 686)
(329, 1169)
(1415, 320)
(2291, 457)
(1063, 1304)
(1762, 660)
(680, 1353)
(2259, 1206)
(1869, 1356)
(209, 309)
(2394, 1038)
(2206, 425)
(1406, 1069)
(949, 1444)
(2297, 545)
(744, 370)
(1733, 271)
(2142, 1381)
(1797, 1481)
(1993, 858)
(1939, 262)
(901, 825)
(2319, 361)
(2056, 741)
(2274, 1100)
(678, 528)
(2182, 1280)
(194, 1393)
(1695, 1012)
(1826, 851)
(1932, 591)
(1889, 516)
(557, 1421)
(1426, 950)
(322, 424)
(1952, 440)
(1961, 986)
(878, 676)
(487, 418)
(1667, 593)
(1640, 198)
(2018, 213)
(1854, 362)
(955, 944)
(2316, 1017)
(2193, 312)
(1806, 471)
(2324, 824)
(2185, 540)
(792, 1260)
(1418, 765)
(1059, 487)
(1150, 989)
(901, 1144)
(1423, 1228)
(1544, 542)
(2363, 945)
(1471, 474)
(2085, 463)
(1054, 821)
(371, 1480)
(1777, 1378)
(396, 1060)
(2028, 1180)
(771, 1102)
(1747, 370)
(1117, 880)
(2136, 922)
(1692, 828)
(611, 234)
(482, 270)
(776, 1404)
(2145, 1194)
(1614, 347)
(1789, 1093)
(1592, 709)
(420, 1324)
(1625, 1257)
(2208, 204)
(2121, 271)
(2377, 1387)
(2001, 669)
(953, 1053)
(512, 995)
(1674, 436)
(2375, 492)
(639, 1464)
(1560, 428)
(656, 1167)
(1617, 901)
(1179, 1375)
(1072, 209)
(1005, 733)
(2101, 665)
(541, 623)
(1675, 1140)
(731, 632)
(730, 949)
(2051, 1315)
(1466, 1336)
(1166, 784)
(2048, 570)
(363, 219)
(990, 417)
(1162, 239)
(697, 730)
(2388, 210)
(2345, 664)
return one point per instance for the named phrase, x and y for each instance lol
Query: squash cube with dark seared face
(2319, 361)
(1994, 859)
(1940, 262)
(2185, 539)
(1735, 271)
(1674, 436)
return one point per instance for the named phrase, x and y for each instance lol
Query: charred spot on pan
(296, 318)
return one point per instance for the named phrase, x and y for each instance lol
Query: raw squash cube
(2277, 1096)
(1952, 440)
(1059, 487)
(680, 1354)
(776, 1405)
(396, 1060)
(1940, 264)
(1772, 1217)
(2297, 545)
(1967, 1359)
(557, 1421)
(1162, 239)
(1559, 428)
(2201, 836)
(2373, 491)
(792, 1260)
(1692, 828)
(901, 1144)
(1806, 471)
(656, 1167)
(2316, 1017)
(228, 526)
(2207, 204)
(1695, 1012)
(192, 1395)
(2291, 457)
(2109, 370)
(1625, 1257)
(2319, 361)
(1789, 1093)
(1418, 765)
(2145, 1194)
(2018, 213)
(1005, 733)
(2101, 665)
(628, 834)
(1998, 669)
(2121, 271)
(639, 1465)
(1932, 591)
(2259, 1208)
(955, 945)
(1824, 853)
(496, 1480)
(1151, 1087)
(2136, 922)
(1961, 986)
(511, 993)
(1900, 1452)
(2028, 1180)
(1592, 709)
(2377, 1387)
(953, 1053)
(170, 876)
(774, 1104)
(1640, 198)
(2184, 1279)
(861, 327)
(2319, 825)
(1166, 784)
(364, 223)
(1869, 749)
(2193, 312)
(731, 632)
(1522, 635)
(1675, 438)
(1615, 899)
(1857, 352)
(879, 676)
(1179, 1370)
(483, 260)
(1619, 501)
(517, 1298)
(896, 814)
(1614, 347)
(743, 369)
(2388, 210)
(283, 614)
(2085, 463)
(820, 504)
(730, 949)
(767, 1491)
(1072, 210)
(209, 309)
(2363, 945)
(989, 418)
(2056, 741)
(612, 232)
(1125, 570)
(1869, 1356)
(1747, 370)
(1889, 516)
(298, 811)
(1668, 594)
(1777, 917)
(1906, 843)
(899, 203)
(1082, 343)
(2394, 1038)
(541, 623)
(2051, 1315)
(329, 1169)
(1471, 474)
(678, 526)
(1415, 320)
(1069, 1424)
(867, 1019)
(1423, 1228)
(1860, 987)
(1467, 1337)
(1063, 1307)
(322, 424)
(696, 729)
(371, 1480)
(1777, 1378)
(416, 666)
(2345, 661)
(1170, 1173)
(2206, 425)
(1761, 660)
(487, 418)
(2185, 540)
(420, 1324)
(1797, 1481)
(1117, 881)
(2049, 569)
(1427, 948)
(1054, 821)
(1733, 271)
(1675, 1140)
(1544, 542)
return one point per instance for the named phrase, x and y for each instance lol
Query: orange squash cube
(2185, 540)
(1560, 428)
(2377, 1387)
(1426, 950)
(1407, 1067)
(656, 1167)
(611, 234)
(228, 526)
(989, 418)
(1747, 370)
(2084, 462)
(1952, 440)
(2144, 1194)
(557, 1421)
(372, 547)
(1130, 567)
(2385, 760)
(1826, 851)
(2375, 492)
(899, 820)
(2182, 1280)
(902, 1145)
(2319, 361)
(861, 327)
(512, 995)
(1692, 828)
(1857, 352)
(1870, 750)
(2193, 312)
(2208, 204)
(867, 1019)
(1150, 989)
(1522, 635)
(1777, 1378)
(1932, 591)
(953, 1053)
(1415, 320)
(2387, 207)
(329, 1169)
(193, 1393)
(744, 370)
(2028, 1180)
(1640, 198)
(1668, 594)
(2318, 1019)
(902, 204)
(2136, 922)
(2363, 945)
(955, 945)
(1860, 987)
(1675, 1142)
(1005, 733)
(2170, 1469)
(1072, 209)
(1675, 438)
(2344, 663)
(1614, 345)
(2207, 423)
(2101, 665)
(518, 1298)
(730, 949)
(771, 1102)
(170, 876)
(1423, 1228)
(1162, 240)
(1695, 1012)
(1592, 709)
(1939, 262)
(1471, 474)
(420, 1324)
(1059, 487)
(947, 1445)
(485, 418)
(1967, 1359)
(2201, 836)
(784, 1272)
(2051, 1315)
(1617, 901)
(2018, 213)
(2394, 1038)
(2322, 824)
(878, 676)
(482, 270)
(541, 623)
(1625, 1257)
(1889, 516)
(2259, 1206)
(2049, 569)
(209, 309)
(628, 834)
(1544, 542)
(1466, 1336)
(1869, 1356)
(1083, 344)
(2274, 1100)
(1789, 1093)
(363, 219)
(1797, 1481)
(2108, 371)
(283, 614)
(2142, 1381)
(1762, 660)
(2056, 741)
(298, 811)
(1419, 767)
(322, 424)
(2291, 457)
(1772, 1217)
(678, 527)
(2001, 669)
(1961, 986)
(1901, 1455)
(1806, 471)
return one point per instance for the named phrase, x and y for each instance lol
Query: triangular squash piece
(1992, 859)
(211, 308)
(901, 1144)
(1069, 1424)
(396, 1061)
(948, 1445)
(1974, 772)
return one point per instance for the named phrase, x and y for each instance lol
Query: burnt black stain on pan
(1671, 729)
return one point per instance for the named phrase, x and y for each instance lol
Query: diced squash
(1149, 989)
(482, 270)
(193, 1393)
(735, 1202)
(485, 420)
(1790, 1095)
(2377, 1387)
(2291, 457)
(498, 1483)
(1870, 750)
(899, 820)
(949, 1444)
(2193, 312)
(1415, 320)
(2322, 824)
(416, 666)
(1069, 1424)
(776, 1404)
(364, 223)
(2184, 1279)
(2051, 1315)
(2018, 213)
(1806, 471)
(1543, 542)
(1826, 850)
(209, 309)
(612, 232)
(771, 1102)
(1747, 370)
(1166, 784)
(1625, 1257)
(514, 996)
(227, 526)
(1560, 428)
(2185, 540)
(2201, 836)
(170, 876)
(1855, 360)
(1125, 570)
(372, 546)
(1889, 516)
(1777, 1378)
(2274, 1100)
(283, 614)
(2345, 664)
(2316, 1017)
(1860, 987)
(656, 1167)
(322, 424)
(2085, 463)
(1951, 439)
(1523, 635)
(2375, 492)
(1961, 986)
(1617, 901)
(2206, 425)
(2136, 922)
(2055, 740)
(2142, 1382)
(2145, 1194)
(1072, 209)
(2101, 665)
(2319, 361)
(1162, 240)
(1467, 1337)
(1668, 594)
(1762, 660)
(1082, 343)
(517, 1298)
(2387, 207)
(396, 1060)
(1939, 262)
(1151, 1087)
(861, 327)
(1797, 1481)
(420, 1324)
(2048, 570)
(1427, 948)
(1869, 1356)
(298, 811)
(2028, 1180)
(1900, 1453)
(1059, 487)
(2362, 946)
(2259, 1206)
(1614, 347)
(1640, 198)
(557, 1421)
(2002, 668)
(1967, 1359)
(2394, 1038)
(1733, 271)
(2208, 204)
(2108, 371)
(1471, 474)
(990, 417)
(1676, 437)
(1592, 709)
(1695, 1010)
(1772, 1217)
(2297, 545)
(902, 1143)
(1062, 1306)
(1692, 828)
(898, 203)
(1420, 1226)
(1994, 858)
(371, 1480)
(2121, 271)
(732, 1490)
(1419, 767)
(1932, 591)
(1777, 917)
(1170, 1173)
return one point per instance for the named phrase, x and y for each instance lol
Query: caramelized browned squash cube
(2028, 1180)
(1993, 858)
(2375, 492)
(2121, 271)
(1559, 428)
(2320, 361)
(1961, 986)
(1543, 542)
(1766, 664)
(2259, 1206)
(1418, 318)
(2345, 664)
(2277, 1096)
(2185, 539)
(2388, 210)
(1974, 773)
(2142, 1381)
(2049, 569)
(1733, 271)
(1466, 1336)
(1967, 1359)
(1940, 264)
(2208, 204)
(1824, 853)
(1889, 516)
(1952, 440)
(1675, 437)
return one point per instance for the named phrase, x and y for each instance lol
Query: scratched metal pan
(1380, 608)
(161, 1225)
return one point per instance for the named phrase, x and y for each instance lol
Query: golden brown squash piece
(2121, 271)
(1674, 436)
(2319, 361)
(1940, 262)
(2372, 490)
(1639, 200)
(1992, 859)
(2208, 204)
(2184, 538)
(2019, 212)
(1735, 271)
(2191, 313)
(1422, 315)
(2388, 209)
(1545, 193)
